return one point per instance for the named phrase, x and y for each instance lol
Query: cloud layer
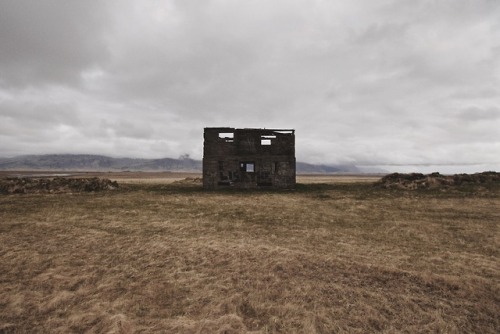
(387, 82)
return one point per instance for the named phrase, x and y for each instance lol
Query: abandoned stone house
(248, 158)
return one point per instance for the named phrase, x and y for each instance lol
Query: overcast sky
(392, 83)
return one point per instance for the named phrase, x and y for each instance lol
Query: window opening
(248, 167)
(265, 140)
(227, 136)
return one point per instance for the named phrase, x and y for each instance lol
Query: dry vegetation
(329, 257)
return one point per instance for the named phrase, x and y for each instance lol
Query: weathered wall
(248, 158)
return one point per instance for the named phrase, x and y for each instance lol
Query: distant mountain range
(86, 162)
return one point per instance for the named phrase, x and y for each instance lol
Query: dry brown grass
(330, 257)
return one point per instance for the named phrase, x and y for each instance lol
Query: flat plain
(335, 255)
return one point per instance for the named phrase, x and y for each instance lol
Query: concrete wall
(248, 158)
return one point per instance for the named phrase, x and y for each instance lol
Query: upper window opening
(227, 136)
(265, 140)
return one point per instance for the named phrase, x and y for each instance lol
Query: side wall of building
(248, 158)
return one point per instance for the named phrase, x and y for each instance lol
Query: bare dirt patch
(337, 178)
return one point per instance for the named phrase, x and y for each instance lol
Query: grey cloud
(49, 41)
(480, 114)
(36, 115)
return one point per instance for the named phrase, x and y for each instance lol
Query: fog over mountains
(86, 162)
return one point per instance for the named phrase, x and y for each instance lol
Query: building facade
(248, 158)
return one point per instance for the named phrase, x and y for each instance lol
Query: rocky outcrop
(436, 180)
(55, 185)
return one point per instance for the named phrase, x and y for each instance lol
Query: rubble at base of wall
(189, 181)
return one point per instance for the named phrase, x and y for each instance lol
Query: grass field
(334, 256)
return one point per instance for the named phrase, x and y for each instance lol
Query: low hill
(88, 162)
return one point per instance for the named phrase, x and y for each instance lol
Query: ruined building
(248, 158)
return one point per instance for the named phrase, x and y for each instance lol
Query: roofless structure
(248, 158)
